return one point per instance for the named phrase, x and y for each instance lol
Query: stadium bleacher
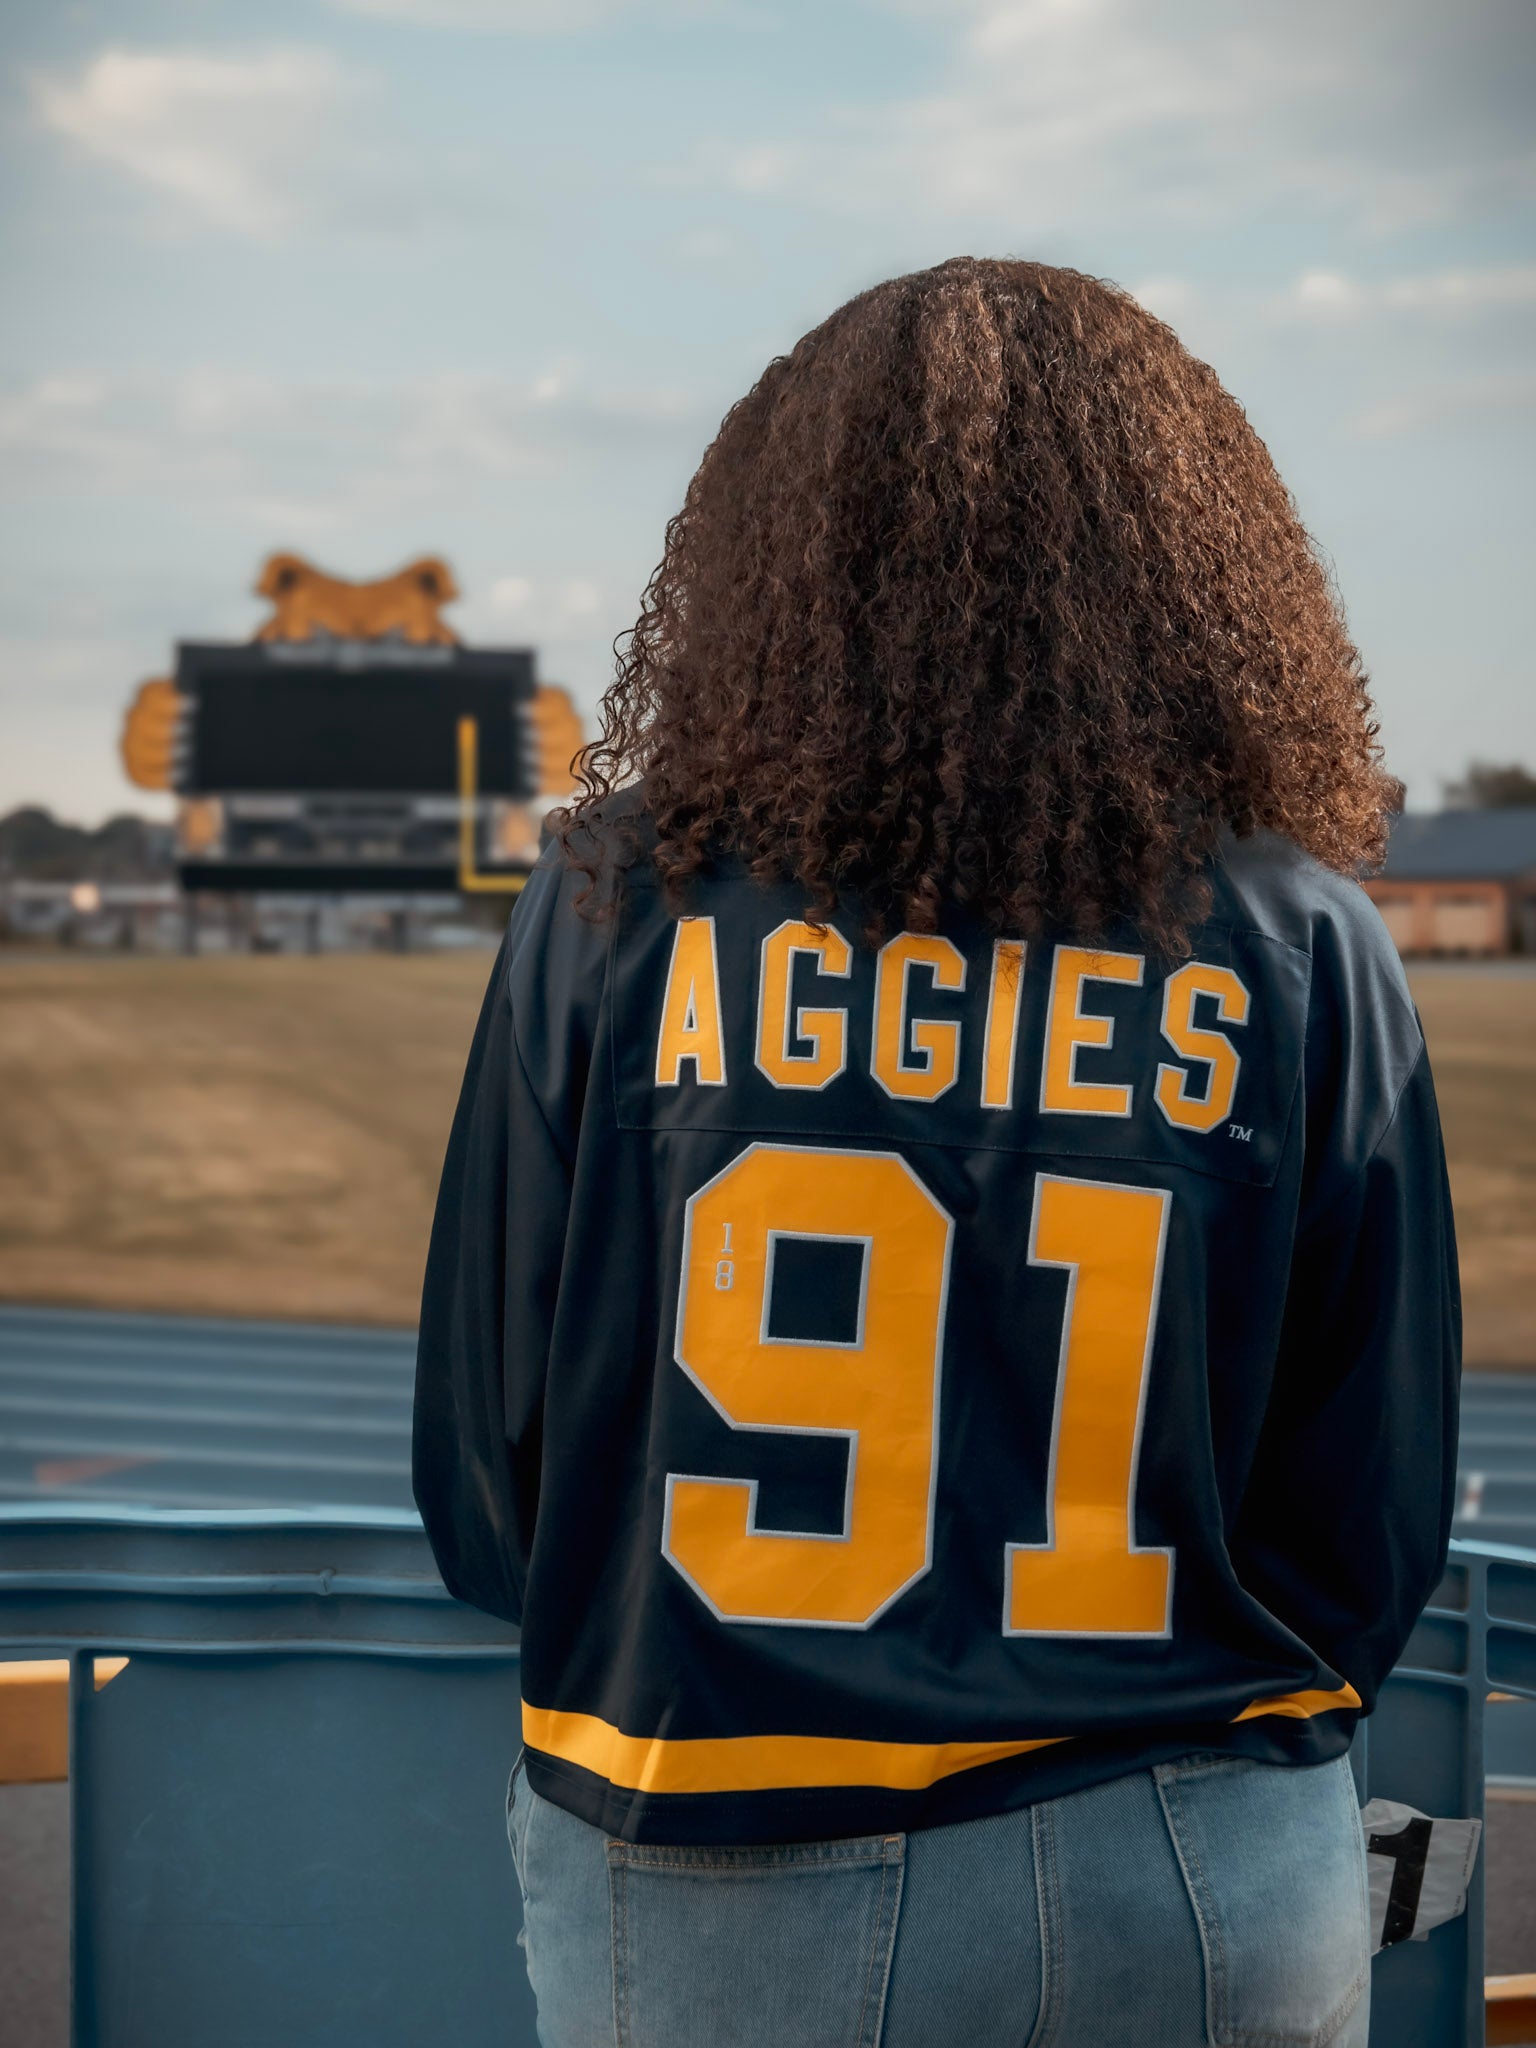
(230, 1636)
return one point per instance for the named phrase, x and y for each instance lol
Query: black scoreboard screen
(337, 765)
(347, 716)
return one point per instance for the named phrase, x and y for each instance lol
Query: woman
(942, 1319)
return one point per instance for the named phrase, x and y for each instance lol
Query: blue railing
(287, 1808)
(285, 1814)
(1432, 1742)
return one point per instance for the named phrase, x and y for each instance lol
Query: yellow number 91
(879, 1392)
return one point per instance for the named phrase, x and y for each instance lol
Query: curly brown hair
(988, 593)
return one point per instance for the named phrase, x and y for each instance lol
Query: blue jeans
(1212, 1902)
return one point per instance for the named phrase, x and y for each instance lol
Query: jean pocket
(754, 1945)
(1274, 1863)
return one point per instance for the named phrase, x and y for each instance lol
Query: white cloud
(570, 619)
(509, 595)
(64, 419)
(711, 250)
(232, 140)
(1170, 298)
(298, 519)
(1440, 294)
(70, 667)
(304, 456)
(1325, 292)
(1503, 400)
(518, 17)
(1053, 114)
(546, 17)
(579, 598)
(553, 605)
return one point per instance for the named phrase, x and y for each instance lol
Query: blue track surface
(182, 1411)
(185, 1412)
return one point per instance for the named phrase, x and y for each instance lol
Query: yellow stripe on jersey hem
(1301, 1706)
(774, 1763)
(753, 1763)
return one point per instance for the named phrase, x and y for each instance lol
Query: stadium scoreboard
(276, 715)
(340, 765)
(354, 744)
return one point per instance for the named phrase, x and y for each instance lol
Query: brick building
(1460, 882)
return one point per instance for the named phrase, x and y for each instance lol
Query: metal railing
(286, 1807)
(285, 1810)
(1432, 1742)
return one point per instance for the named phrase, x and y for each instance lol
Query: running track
(189, 1412)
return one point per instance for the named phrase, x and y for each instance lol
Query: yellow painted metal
(34, 1717)
(1510, 2006)
(199, 825)
(558, 736)
(306, 601)
(471, 878)
(148, 741)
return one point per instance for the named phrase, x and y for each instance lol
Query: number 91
(881, 1394)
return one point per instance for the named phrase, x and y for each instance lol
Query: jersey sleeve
(1347, 1515)
(494, 1262)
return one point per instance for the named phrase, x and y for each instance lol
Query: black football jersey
(891, 1385)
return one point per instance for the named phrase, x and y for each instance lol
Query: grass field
(248, 1135)
(1480, 1025)
(262, 1136)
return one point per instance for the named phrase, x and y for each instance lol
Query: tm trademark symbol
(1242, 1132)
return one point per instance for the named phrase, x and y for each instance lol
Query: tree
(42, 848)
(1491, 786)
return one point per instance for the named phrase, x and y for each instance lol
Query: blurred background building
(1461, 883)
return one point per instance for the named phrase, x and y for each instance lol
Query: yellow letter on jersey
(1090, 1577)
(1067, 1029)
(879, 1391)
(1003, 998)
(690, 1015)
(937, 1046)
(827, 1030)
(1189, 1042)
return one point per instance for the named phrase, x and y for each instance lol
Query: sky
(374, 278)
